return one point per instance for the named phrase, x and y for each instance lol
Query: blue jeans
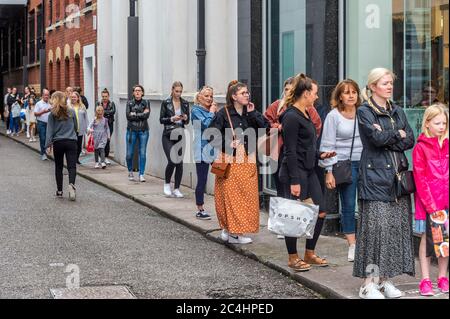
(42, 127)
(132, 138)
(202, 179)
(15, 126)
(348, 202)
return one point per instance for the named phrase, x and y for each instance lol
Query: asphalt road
(112, 241)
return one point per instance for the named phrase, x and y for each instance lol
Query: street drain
(106, 292)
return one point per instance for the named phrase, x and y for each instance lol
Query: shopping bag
(292, 218)
(90, 145)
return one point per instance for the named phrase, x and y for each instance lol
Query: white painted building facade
(167, 53)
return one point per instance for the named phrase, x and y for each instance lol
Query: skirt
(384, 246)
(237, 197)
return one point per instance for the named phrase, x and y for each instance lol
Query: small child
(431, 164)
(31, 119)
(100, 130)
(15, 114)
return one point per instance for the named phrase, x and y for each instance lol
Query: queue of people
(362, 149)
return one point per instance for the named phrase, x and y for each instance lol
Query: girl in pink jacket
(431, 164)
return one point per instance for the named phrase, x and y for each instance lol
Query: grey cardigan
(61, 130)
(83, 121)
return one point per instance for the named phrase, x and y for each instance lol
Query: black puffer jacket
(381, 149)
(168, 110)
(139, 120)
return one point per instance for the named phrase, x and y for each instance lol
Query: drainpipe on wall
(25, 47)
(201, 43)
(42, 57)
(133, 48)
(133, 64)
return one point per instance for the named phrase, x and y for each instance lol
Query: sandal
(315, 260)
(299, 266)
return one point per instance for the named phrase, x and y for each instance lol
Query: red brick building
(71, 45)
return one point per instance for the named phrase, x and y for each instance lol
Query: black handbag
(404, 183)
(342, 170)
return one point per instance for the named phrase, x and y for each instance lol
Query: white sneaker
(44, 157)
(97, 165)
(370, 291)
(8, 132)
(388, 289)
(107, 162)
(224, 235)
(72, 192)
(141, 178)
(131, 176)
(31, 140)
(28, 135)
(177, 193)
(351, 253)
(280, 237)
(234, 239)
(103, 165)
(167, 190)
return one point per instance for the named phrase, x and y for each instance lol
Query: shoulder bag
(220, 168)
(342, 170)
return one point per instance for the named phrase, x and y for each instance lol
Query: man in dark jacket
(109, 112)
(138, 113)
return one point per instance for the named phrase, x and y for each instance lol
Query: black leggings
(108, 144)
(174, 158)
(310, 188)
(69, 149)
(79, 146)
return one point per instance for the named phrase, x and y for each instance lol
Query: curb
(317, 288)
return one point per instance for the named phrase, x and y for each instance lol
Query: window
(39, 30)
(50, 12)
(32, 38)
(408, 37)
(57, 4)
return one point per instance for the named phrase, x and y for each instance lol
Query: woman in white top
(341, 135)
(82, 120)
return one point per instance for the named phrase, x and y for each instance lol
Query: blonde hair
(205, 88)
(60, 110)
(99, 110)
(374, 76)
(80, 103)
(430, 113)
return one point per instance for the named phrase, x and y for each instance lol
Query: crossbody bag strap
(354, 135)
(231, 123)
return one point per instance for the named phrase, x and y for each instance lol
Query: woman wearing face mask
(384, 247)
(236, 197)
(174, 116)
(203, 113)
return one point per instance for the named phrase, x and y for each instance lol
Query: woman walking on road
(236, 196)
(174, 116)
(62, 135)
(384, 247)
(203, 113)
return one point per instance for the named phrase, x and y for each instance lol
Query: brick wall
(68, 71)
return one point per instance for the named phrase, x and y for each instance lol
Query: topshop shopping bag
(292, 218)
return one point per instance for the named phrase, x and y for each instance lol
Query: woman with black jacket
(384, 247)
(174, 116)
(138, 113)
(297, 172)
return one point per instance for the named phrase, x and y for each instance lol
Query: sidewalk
(335, 281)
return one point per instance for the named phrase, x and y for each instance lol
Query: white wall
(168, 42)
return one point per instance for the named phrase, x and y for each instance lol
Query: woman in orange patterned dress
(236, 197)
